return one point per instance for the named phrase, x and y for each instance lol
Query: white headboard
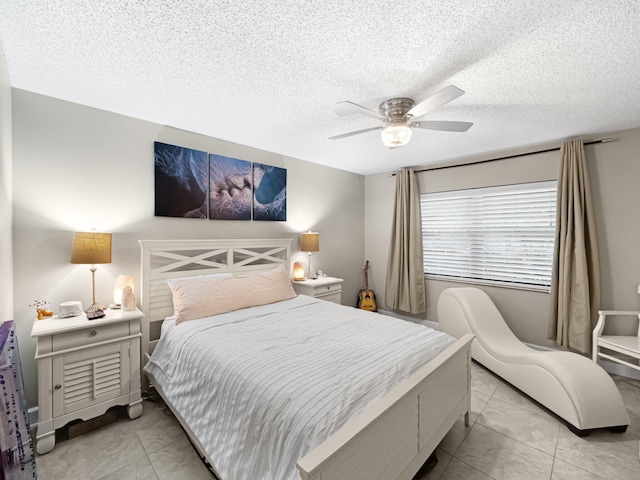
(164, 259)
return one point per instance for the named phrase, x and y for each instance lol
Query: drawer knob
(58, 387)
(93, 333)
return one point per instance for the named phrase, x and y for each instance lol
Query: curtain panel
(575, 282)
(405, 269)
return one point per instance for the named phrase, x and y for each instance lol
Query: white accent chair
(568, 384)
(618, 346)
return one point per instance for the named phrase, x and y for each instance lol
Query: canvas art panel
(229, 188)
(180, 181)
(269, 192)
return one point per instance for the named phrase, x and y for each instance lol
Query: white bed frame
(390, 440)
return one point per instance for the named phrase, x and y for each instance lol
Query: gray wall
(614, 172)
(6, 262)
(76, 168)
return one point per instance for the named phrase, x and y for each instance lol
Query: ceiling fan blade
(443, 125)
(357, 132)
(446, 95)
(349, 108)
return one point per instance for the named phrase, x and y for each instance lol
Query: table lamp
(298, 271)
(121, 282)
(310, 242)
(91, 248)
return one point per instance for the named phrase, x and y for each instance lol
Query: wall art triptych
(194, 184)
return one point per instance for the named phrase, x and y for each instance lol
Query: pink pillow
(202, 297)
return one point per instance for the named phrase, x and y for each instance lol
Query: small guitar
(366, 297)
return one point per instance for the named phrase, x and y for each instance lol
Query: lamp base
(95, 306)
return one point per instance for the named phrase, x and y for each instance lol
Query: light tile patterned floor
(509, 438)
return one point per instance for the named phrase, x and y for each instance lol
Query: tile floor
(509, 438)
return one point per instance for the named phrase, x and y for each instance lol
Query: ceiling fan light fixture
(396, 135)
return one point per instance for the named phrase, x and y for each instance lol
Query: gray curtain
(405, 270)
(575, 283)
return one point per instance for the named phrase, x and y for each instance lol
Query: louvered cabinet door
(86, 367)
(90, 377)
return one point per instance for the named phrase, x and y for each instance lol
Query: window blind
(502, 235)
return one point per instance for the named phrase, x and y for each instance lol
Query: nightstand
(325, 288)
(84, 368)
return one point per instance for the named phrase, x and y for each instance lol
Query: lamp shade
(90, 248)
(310, 242)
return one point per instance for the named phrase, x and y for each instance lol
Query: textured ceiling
(268, 73)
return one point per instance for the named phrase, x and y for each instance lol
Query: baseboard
(428, 323)
(33, 421)
(540, 347)
(619, 369)
(33, 416)
(81, 427)
(610, 367)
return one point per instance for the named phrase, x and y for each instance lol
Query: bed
(316, 422)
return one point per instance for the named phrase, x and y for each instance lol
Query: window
(498, 235)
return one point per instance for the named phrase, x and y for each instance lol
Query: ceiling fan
(400, 114)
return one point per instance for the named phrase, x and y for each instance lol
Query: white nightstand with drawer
(325, 288)
(84, 368)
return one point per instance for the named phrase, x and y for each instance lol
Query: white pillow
(202, 297)
(172, 281)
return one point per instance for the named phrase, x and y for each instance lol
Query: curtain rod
(604, 140)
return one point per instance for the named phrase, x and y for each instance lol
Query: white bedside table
(84, 368)
(326, 288)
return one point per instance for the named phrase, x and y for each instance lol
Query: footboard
(394, 438)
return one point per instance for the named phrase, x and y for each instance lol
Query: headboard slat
(165, 259)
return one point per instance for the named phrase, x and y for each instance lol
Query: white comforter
(263, 386)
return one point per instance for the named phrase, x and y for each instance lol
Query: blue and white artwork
(194, 184)
(180, 181)
(269, 192)
(229, 188)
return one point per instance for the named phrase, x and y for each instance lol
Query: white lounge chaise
(570, 385)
